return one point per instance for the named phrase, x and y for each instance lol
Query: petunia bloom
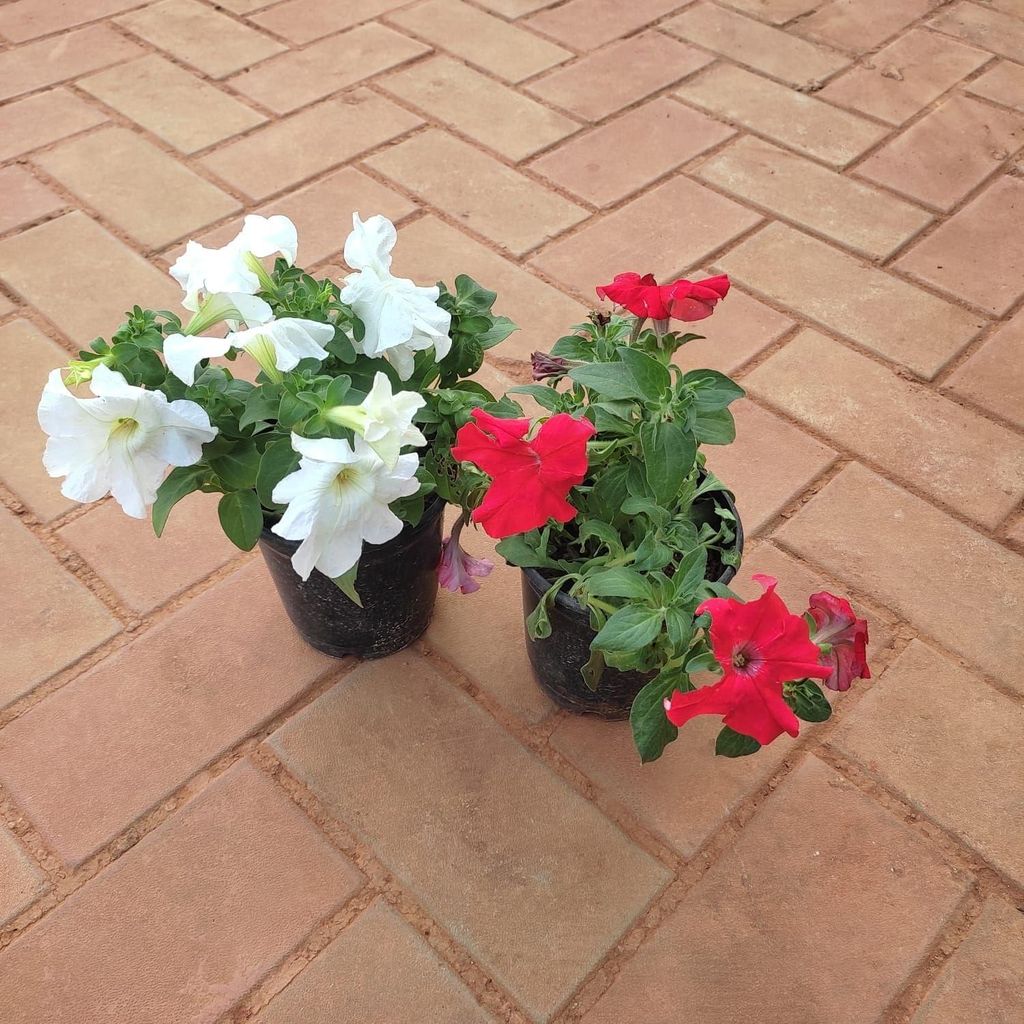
(121, 442)
(383, 419)
(760, 645)
(530, 480)
(459, 570)
(233, 268)
(681, 300)
(546, 366)
(277, 346)
(400, 318)
(846, 637)
(337, 499)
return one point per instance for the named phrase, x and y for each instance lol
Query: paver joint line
(863, 245)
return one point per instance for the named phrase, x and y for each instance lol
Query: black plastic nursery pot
(396, 581)
(558, 659)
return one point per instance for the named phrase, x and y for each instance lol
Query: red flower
(680, 300)
(530, 479)
(838, 625)
(760, 645)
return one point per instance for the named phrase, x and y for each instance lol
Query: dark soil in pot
(397, 582)
(558, 660)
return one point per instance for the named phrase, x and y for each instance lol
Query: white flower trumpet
(235, 268)
(121, 442)
(401, 318)
(337, 499)
(383, 419)
(277, 346)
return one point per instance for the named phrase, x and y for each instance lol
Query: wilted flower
(547, 366)
(121, 442)
(401, 318)
(337, 499)
(843, 637)
(459, 570)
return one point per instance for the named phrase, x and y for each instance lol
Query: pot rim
(433, 507)
(540, 583)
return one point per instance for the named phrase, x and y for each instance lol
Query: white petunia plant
(340, 437)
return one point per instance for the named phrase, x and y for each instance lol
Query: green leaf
(717, 427)
(501, 327)
(651, 377)
(540, 393)
(609, 492)
(690, 574)
(337, 390)
(346, 583)
(594, 669)
(606, 535)
(176, 485)
(613, 380)
(629, 629)
(652, 731)
(237, 468)
(473, 297)
(705, 662)
(519, 551)
(807, 701)
(573, 346)
(261, 406)
(735, 744)
(712, 390)
(619, 581)
(279, 459)
(679, 626)
(241, 518)
(669, 451)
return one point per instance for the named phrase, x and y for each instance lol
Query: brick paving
(201, 820)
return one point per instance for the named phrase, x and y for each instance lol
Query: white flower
(276, 346)
(338, 498)
(400, 317)
(232, 268)
(383, 419)
(121, 442)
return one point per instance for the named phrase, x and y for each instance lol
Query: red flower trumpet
(530, 480)
(837, 626)
(680, 300)
(760, 645)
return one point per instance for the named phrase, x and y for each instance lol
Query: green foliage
(734, 744)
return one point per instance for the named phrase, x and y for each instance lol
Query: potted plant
(334, 457)
(627, 541)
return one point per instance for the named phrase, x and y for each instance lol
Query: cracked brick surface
(203, 821)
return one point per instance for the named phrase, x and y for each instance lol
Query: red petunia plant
(609, 496)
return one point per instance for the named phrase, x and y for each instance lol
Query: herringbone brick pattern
(202, 820)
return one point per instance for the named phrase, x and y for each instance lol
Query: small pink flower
(844, 636)
(459, 570)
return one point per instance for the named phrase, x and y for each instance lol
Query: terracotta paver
(947, 757)
(886, 542)
(355, 978)
(157, 722)
(40, 597)
(539, 907)
(641, 65)
(22, 466)
(855, 299)
(661, 135)
(501, 204)
(644, 234)
(993, 377)
(888, 895)
(855, 167)
(921, 164)
(202, 908)
(176, 105)
(862, 218)
(791, 118)
(982, 980)
(21, 881)
(905, 76)
(966, 462)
